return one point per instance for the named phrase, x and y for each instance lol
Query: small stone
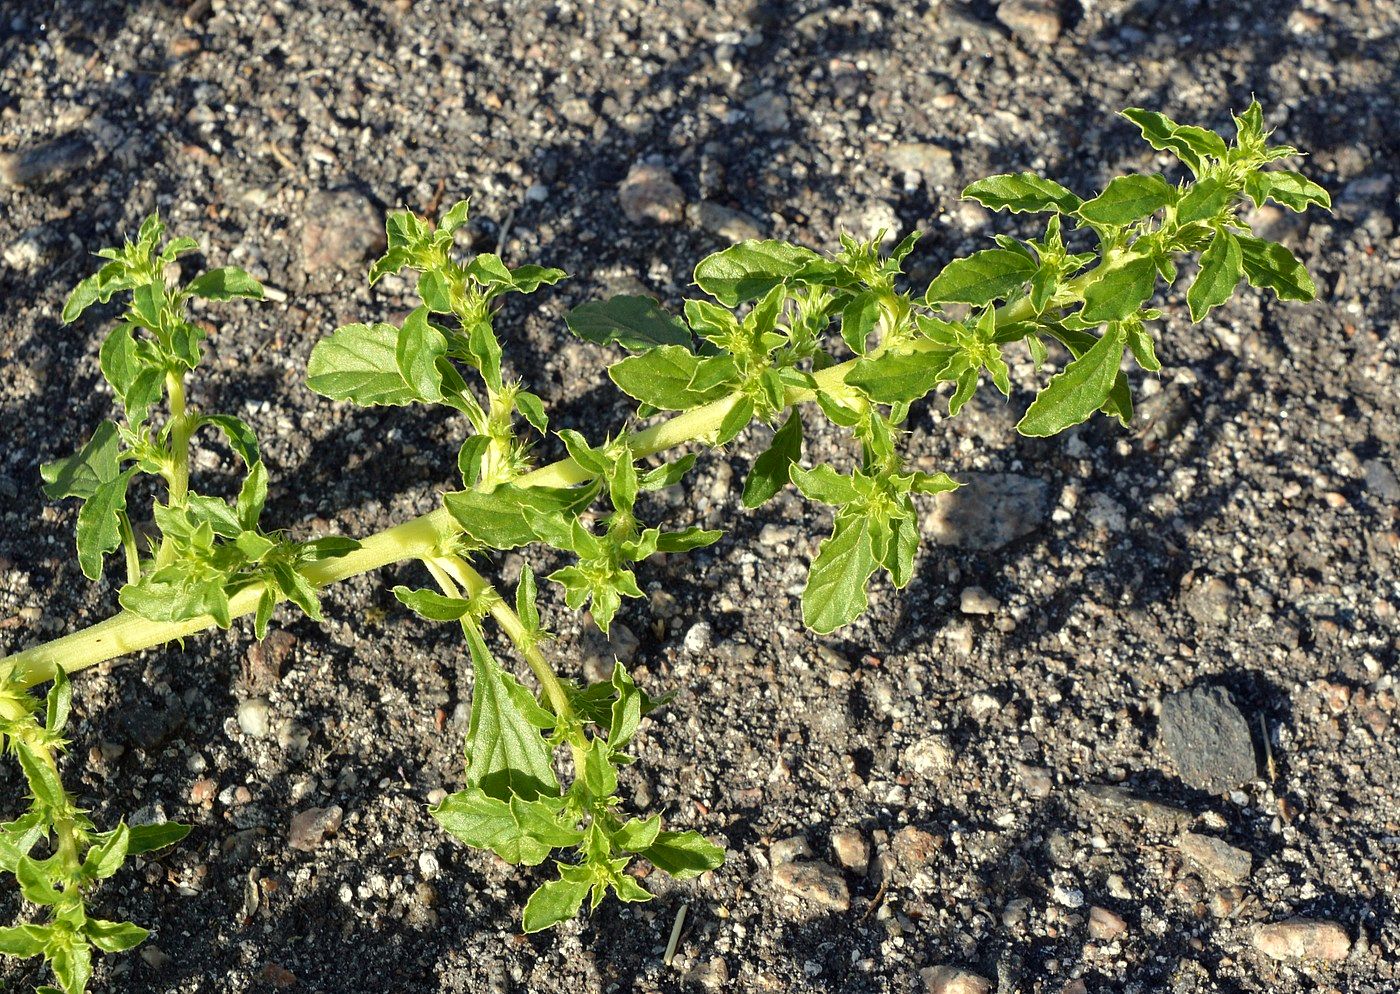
(649, 195)
(1303, 939)
(722, 222)
(851, 849)
(1208, 739)
(1038, 781)
(1226, 901)
(698, 637)
(1031, 20)
(33, 248)
(1015, 912)
(1107, 797)
(768, 111)
(184, 46)
(954, 980)
(253, 717)
(1105, 925)
(1211, 601)
(278, 976)
(46, 163)
(990, 511)
(929, 756)
(713, 974)
(789, 850)
(203, 791)
(1217, 857)
(1069, 897)
(933, 163)
(428, 864)
(975, 600)
(341, 230)
(310, 827)
(1381, 482)
(814, 882)
(912, 847)
(154, 956)
(1274, 224)
(262, 668)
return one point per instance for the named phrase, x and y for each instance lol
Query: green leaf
(435, 292)
(982, 277)
(824, 484)
(554, 902)
(519, 831)
(240, 436)
(417, 350)
(1190, 144)
(903, 546)
(750, 269)
(358, 363)
(71, 964)
(114, 937)
(1270, 266)
(432, 605)
(636, 323)
(1121, 291)
(664, 378)
(895, 378)
(42, 779)
(506, 755)
(99, 523)
(149, 838)
(84, 295)
(735, 420)
(470, 456)
(835, 592)
(1120, 402)
(1127, 199)
(1079, 390)
(1022, 193)
(121, 360)
(225, 283)
(684, 854)
(637, 834)
(34, 883)
(106, 858)
(80, 474)
(1204, 201)
(1293, 190)
(1222, 268)
(771, 470)
(497, 520)
(667, 474)
(23, 940)
(58, 704)
(858, 320)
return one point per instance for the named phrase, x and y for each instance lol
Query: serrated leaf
(1204, 201)
(1162, 133)
(83, 296)
(34, 883)
(1269, 265)
(1121, 291)
(23, 940)
(1222, 268)
(241, 437)
(982, 277)
(506, 755)
(553, 902)
(858, 320)
(114, 937)
(636, 323)
(58, 703)
(358, 363)
(835, 592)
(225, 283)
(42, 778)
(417, 350)
(771, 470)
(750, 269)
(664, 378)
(1078, 390)
(1292, 190)
(99, 523)
(684, 855)
(1127, 199)
(80, 474)
(106, 858)
(1022, 193)
(519, 831)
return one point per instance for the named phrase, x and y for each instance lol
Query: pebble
(342, 231)
(870, 220)
(1208, 739)
(1105, 925)
(933, 163)
(953, 980)
(990, 511)
(33, 248)
(1226, 901)
(1069, 897)
(1031, 20)
(1217, 857)
(309, 828)
(789, 850)
(1211, 601)
(975, 600)
(929, 755)
(649, 195)
(1303, 939)
(713, 974)
(253, 717)
(723, 222)
(769, 111)
(155, 957)
(814, 882)
(698, 637)
(46, 163)
(851, 849)
(1107, 797)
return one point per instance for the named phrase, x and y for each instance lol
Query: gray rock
(1105, 925)
(851, 849)
(47, 163)
(1031, 20)
(309, 828)
(932, 162)
(649, 195)
(1116, 800)
(953, 980)
(1208, 739)
(1217, 857)
(1303, 939)
(730, 225)
(990, 511)
(975, 600)
(867, 221)
(341, 232)
(768, 111)
(33, 248)
(814, 883)
(1210, 600)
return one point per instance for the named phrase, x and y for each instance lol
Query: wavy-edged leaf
(1022, 193)
(358, 363)
(636, 323)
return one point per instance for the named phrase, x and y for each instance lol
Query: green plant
(759, 349)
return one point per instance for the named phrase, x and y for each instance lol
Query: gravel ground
(995, 781)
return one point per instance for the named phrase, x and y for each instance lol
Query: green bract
(784, 336)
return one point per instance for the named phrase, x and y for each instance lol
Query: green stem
(133, 555)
